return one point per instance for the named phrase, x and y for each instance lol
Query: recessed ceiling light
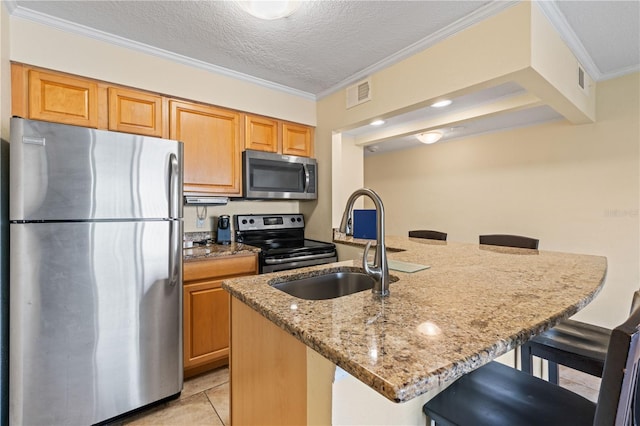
(429, 137)
(440, 104)
(377, 122)
(270, 10)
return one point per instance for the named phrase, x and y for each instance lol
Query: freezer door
(61, 172)
(96, 319)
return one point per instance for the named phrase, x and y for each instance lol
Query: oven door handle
(297, 259)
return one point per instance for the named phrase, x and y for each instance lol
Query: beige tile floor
(580, 383)
(205, 400)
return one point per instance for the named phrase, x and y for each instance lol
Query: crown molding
(473, 18)
(619, 73)
(72, 27)
(556, 17)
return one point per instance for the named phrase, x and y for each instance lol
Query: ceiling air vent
(359, 93)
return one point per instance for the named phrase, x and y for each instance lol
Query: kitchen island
(472, 304)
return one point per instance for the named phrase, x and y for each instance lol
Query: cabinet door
(212, 153)
(261, 134)
(63, 99)
(132, 111)
(206, 323)
(206, 310)
(297, 140)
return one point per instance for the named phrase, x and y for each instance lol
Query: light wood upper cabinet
(297, 140)
(261, 133)
(133, 111)
(206, 309)
(271, 135)
(62, 99)
(212, 148)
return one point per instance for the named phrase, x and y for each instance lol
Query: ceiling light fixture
(377, 122)
(429, 137)
(443, 103)
(270, 10)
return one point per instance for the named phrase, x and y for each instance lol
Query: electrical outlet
(199, 223)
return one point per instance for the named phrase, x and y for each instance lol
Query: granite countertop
(473, 304)
(216, 250)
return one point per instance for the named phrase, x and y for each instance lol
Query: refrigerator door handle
(175, 253)
(174, 187)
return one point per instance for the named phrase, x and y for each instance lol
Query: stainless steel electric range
(281, 238)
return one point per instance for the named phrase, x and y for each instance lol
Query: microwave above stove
(268, 176)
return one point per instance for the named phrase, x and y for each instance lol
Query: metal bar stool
(499, 395)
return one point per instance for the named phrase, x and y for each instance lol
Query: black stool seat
(428, 234)
(495, 395)
(499, 395)
(507, 240)
(575, 344)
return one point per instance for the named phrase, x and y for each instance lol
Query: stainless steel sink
(326, 285)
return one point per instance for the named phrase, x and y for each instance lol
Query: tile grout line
(213, 406)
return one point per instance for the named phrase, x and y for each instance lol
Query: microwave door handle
(307, 178)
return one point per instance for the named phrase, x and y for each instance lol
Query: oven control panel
(253, 222)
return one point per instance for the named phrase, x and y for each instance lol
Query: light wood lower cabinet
(206, 310)
(275, 379)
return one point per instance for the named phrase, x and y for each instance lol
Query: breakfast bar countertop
(472, 304)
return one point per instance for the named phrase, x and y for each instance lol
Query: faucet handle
(376, 270)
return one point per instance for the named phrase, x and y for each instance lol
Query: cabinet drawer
(222, 267)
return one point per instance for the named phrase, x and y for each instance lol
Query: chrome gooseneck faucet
(380, 270)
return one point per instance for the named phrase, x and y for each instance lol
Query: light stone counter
(217, 250)
(473, 304)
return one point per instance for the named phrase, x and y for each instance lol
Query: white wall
(234, 207)
(575, 187)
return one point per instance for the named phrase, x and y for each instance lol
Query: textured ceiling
(326, 44)
(323, 43)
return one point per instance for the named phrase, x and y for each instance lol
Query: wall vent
(359, 93)
(584, 81)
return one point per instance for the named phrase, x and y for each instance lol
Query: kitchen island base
(276, 379)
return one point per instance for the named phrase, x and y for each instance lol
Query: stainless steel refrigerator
(95, 273)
